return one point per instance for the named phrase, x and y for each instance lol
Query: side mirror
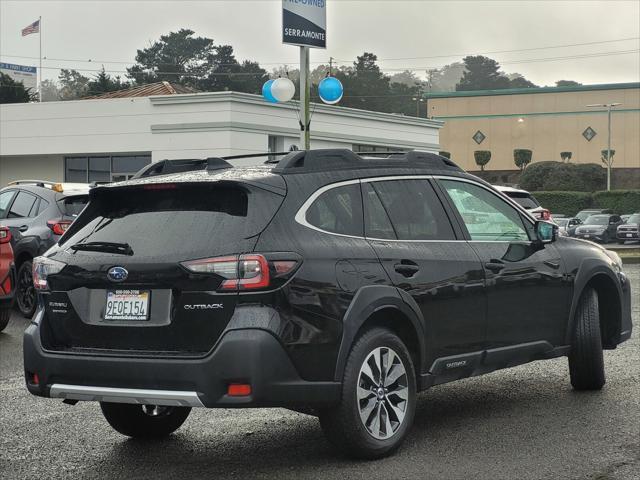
(546, 232)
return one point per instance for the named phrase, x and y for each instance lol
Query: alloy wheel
(382, 393)
(26, 294)
(156, 410)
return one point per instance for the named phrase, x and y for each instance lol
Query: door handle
(406, 269)
(23, 228)
(495, 266)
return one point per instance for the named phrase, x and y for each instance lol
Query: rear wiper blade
(107, 247)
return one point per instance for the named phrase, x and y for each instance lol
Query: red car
(6, 277)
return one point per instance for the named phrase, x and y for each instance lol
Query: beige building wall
(41, 167)
(547, 123)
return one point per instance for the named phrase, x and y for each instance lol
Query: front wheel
(25, 291)
(144, 421)
(378, 400)
(586, 362)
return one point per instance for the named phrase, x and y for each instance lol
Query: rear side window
(72, 206)
(413, 208)
(190, 221)
(22, 205)
(525, 200)
(338, 210)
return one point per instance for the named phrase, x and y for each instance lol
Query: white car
(526, 200)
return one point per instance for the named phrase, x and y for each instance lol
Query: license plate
(586, 236)
(629, 235)
(127, 305)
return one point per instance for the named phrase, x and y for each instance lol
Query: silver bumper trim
(174, 398)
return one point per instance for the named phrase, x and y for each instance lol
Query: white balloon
(283, 89)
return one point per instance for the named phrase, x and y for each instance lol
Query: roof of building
(158, 88)
(523, 91)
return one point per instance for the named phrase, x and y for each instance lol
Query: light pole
(417, 100)
(608, 106)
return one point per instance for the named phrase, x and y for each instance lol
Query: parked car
(601, 228)
(526, 200)
(584, 214)
(7, 277)
(630, 230)
(38, 213)
(567, 226)
(327, 283)
(625, 218)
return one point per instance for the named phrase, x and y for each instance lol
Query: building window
(103, 168)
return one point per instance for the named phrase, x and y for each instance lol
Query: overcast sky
(111, 31)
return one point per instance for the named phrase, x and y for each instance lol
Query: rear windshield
(523, 199)
(186, 221)
(72, 206)
(597, 220)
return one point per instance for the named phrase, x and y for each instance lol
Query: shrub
(565, 156)
(522, 157)
(551, 176)
(620, 201)
(568, 203)
(445, 154)
(482, 157)
(604, 154)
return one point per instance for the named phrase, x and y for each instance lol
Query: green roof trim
(527, 91)
(533, 114)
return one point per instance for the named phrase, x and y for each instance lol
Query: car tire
(25, 291)
(5, 315)
(586, 361)
(605, 238)
(374, 424)
(144, 421)
(621, 242)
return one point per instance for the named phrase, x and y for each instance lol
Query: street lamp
(417, 100)
(608, 106)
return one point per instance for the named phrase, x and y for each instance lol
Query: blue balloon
(330, 90)
(266, 92)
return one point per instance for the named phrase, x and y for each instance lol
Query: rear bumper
(6, 299)
(251, 356)
(628, 236)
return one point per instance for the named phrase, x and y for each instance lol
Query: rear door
(528, 297)
(412, 235)
(143, 299)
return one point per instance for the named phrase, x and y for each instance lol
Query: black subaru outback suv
(329, 283)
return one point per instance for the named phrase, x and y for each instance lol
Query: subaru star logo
(117, 274)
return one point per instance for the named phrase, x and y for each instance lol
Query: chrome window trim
(136, 396)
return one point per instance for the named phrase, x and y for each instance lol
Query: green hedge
(552, 176)
(569, 203)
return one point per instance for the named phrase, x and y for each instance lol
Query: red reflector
(35, 379)
(239, 390)
(6, 286)
(283, 266)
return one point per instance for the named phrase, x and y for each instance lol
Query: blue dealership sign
(304, 23)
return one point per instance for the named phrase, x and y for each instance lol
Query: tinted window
(76, 169)
(414, 210)
(376, 220)
(5, 199)
(486, 216)
(43, 206)
(338, 210)
(525, 200)
(72, 206)
(22, 205)
(99, 169)
(177, 224)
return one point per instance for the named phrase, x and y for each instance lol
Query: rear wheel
(586, 362)
(25, 291)
(144, 421)
(621, 242)
(5, 314)
(378, 398)
(605, 238)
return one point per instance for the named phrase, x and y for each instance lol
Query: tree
(482, 73)
(407, 78)
(606, 158)
(12, 91)
(365, 85)
(103, 82)
(522, 157)
(50, 90)
(567, 83)
(177, 57)
(518, 81)
(226, 73)
(73, 84)
(482, 157)
(565, 156)
(444, 79)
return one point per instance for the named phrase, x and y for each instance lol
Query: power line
(350, 61)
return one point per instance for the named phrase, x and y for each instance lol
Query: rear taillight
(42, 268)
(5, 235)
(545, 214)
(245, 272)
(58, 227)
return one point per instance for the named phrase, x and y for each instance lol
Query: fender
(367, 301)
(30, 245)
(589, 268)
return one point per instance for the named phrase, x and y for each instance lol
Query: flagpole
(40, 77)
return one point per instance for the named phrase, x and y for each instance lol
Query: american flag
(33, 28)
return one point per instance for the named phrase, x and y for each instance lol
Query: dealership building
(109, 139)
(547, 120)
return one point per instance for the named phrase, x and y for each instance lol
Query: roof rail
(164, 167)
(304, 161)
(39, 183)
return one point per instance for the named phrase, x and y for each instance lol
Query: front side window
(338, 210)
(486, 216)
(414, 211)
(22, 206)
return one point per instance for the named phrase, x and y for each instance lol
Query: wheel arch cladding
(599, 277)
(382, 306)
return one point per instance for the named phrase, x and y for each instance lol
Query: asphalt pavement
(521, 423)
